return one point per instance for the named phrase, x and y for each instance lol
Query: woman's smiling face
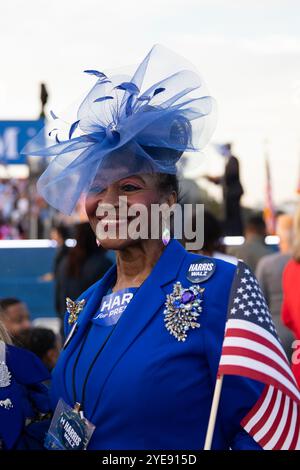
(108, 214)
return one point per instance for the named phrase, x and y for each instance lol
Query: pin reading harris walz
(183, 307)
(74, 308)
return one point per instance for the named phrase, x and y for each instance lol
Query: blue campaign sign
(14, 135)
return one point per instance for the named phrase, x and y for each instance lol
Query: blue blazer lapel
(94, 302)
(82, 323)
(138, 314)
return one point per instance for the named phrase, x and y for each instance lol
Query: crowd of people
(24, 214)
(14, 209)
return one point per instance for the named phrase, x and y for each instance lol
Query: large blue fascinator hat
(140, 123)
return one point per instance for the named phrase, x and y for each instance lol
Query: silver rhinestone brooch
(183, 307)
(5, 375)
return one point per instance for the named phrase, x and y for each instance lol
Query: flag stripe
(275, 431)
(258, 436)
(233, 365)
(258, 339)
(252, 342)
(281, 440)
(258, 425)
(256, 333)
(258, 410)
(245, 325)
(273, 426)
(290, 429)
(244, 351)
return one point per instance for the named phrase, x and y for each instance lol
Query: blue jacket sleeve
(242, 441)
(25, 395)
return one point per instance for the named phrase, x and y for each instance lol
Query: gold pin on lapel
(74, 308)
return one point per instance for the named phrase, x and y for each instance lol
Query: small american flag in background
(269, 210)
(252, 349)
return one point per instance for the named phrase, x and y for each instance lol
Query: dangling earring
(166, 235)
(97, 241)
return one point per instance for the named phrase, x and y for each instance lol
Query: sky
(247, 51)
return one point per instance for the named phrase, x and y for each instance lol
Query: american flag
(269, 210)
(252, 349)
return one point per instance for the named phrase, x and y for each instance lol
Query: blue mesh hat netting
(126, 125)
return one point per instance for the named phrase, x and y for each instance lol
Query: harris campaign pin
(112, 306)
(201, 271)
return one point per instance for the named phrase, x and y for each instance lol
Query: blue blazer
(147, 390)
(27, 396)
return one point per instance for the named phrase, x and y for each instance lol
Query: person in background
(232, 192)
(44, 343)
(254, 247)
(16, 319)
(290, 311)
(85, 264)
(24, 401)
(213, 239)
(60, 234)
(269, 272)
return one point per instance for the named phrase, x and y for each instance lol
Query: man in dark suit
(232, 192)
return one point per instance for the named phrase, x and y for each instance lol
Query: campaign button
(112, 307)
(201, 271)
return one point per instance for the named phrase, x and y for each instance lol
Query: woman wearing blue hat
(23, 397)
(143, 345)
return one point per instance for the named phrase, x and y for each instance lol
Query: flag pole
(213, 413)
(218, 385)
